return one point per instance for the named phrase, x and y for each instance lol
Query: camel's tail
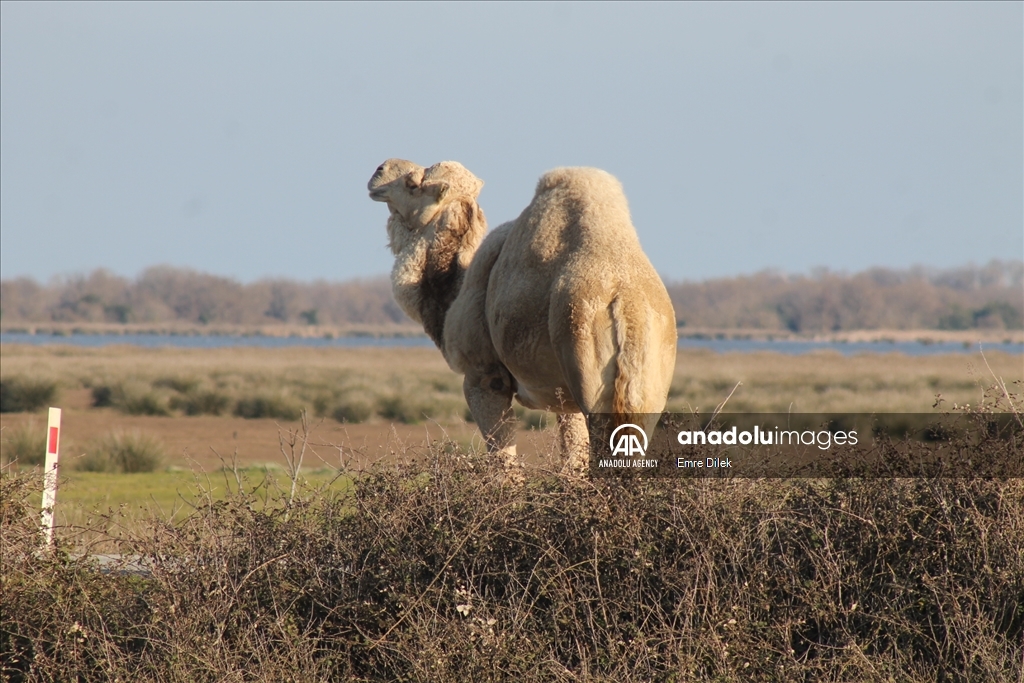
(630, 325)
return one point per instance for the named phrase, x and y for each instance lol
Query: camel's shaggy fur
(559, 308)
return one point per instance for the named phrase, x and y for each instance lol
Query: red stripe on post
(52, 448)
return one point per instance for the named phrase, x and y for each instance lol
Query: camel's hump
(580, 179)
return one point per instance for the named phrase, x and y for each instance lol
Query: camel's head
(387, 172)
(419, 195)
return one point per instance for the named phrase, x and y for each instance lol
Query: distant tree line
(989, 296)
(164, 294)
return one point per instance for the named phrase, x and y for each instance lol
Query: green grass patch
(175, 491)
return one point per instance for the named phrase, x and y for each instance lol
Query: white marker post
(50, 474)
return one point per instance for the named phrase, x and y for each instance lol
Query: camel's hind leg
(574, 440)
(489, 395)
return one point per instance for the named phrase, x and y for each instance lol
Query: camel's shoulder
(486, 255)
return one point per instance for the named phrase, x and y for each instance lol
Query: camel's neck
(442, 280)
(430, 267)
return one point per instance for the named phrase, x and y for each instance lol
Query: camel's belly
(521, 340)
(540, 383)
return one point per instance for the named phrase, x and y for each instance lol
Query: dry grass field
(826, 381)
(369, 403)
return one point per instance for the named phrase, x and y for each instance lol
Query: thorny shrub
(439, 571)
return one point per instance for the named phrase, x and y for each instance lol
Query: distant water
(795, 348)
(196, 341)
(912, 348)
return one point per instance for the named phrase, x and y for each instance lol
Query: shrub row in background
(164, 396)
(406, 405)
(441, 572)
(140, 398)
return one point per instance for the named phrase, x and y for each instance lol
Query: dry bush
(352, 411)
(123, 452)
(25, 395)
(130, 396)
(413, 408)
(438, 571)
(24, 444)
(200, 402)
(182, 385)
(267, 406)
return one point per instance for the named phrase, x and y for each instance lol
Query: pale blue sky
(237, 138)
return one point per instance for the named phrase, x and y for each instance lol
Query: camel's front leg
(489, 394)
(575, 442)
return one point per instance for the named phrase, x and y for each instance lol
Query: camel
(559, 308)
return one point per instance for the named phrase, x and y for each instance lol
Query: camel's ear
(413, 179)
(439, 189)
